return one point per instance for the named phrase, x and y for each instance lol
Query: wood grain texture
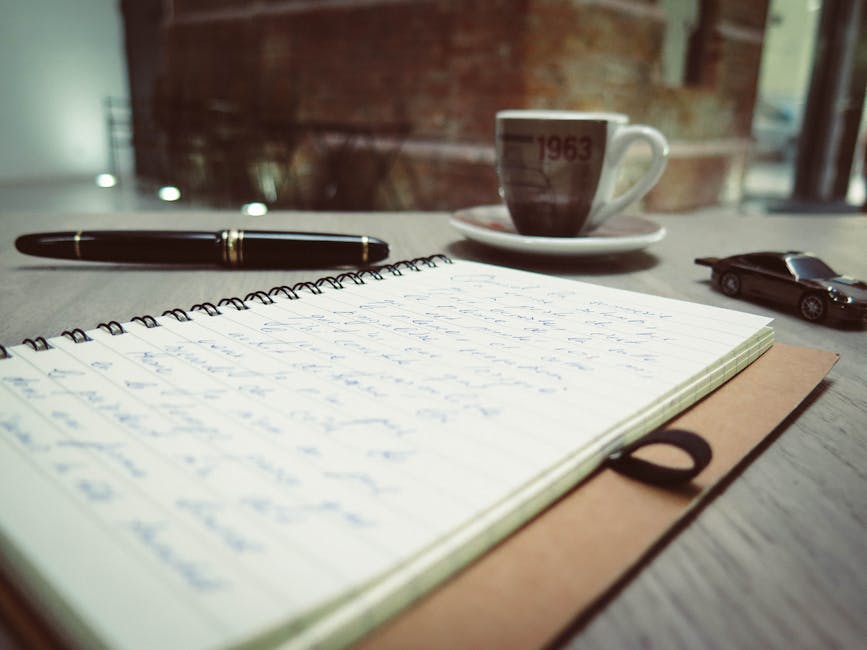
(778, 560)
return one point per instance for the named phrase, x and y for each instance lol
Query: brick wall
(359, 104)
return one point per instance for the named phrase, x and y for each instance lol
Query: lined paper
(296, 471)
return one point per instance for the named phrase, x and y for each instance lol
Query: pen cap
(273, 249)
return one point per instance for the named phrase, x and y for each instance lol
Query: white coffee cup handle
(621, 141)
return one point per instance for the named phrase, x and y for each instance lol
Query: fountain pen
(232, 248)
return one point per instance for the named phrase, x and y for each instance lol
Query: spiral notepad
(294, 466)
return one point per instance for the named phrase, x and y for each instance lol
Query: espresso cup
(558, 169)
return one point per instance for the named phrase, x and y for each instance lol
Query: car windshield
(811, 267)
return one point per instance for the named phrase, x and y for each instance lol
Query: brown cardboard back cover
(527, 590)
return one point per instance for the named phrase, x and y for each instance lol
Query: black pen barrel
(133, 246)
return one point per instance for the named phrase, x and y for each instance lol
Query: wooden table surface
(778, 560)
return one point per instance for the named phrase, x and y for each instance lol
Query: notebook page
(669, 335)
(246, 471)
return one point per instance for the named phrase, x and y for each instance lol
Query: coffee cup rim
(547, 114)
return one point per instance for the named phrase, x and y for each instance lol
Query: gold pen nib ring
(233, 247)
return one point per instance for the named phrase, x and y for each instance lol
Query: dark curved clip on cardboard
(692, 444)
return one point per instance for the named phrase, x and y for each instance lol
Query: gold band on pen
(239, 247)
(76, 245)
(233, 247)
(365, 249)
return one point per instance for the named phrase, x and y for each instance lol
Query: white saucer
(491, 225)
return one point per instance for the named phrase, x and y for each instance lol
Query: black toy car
(797, 279)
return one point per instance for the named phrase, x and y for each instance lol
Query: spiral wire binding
(237, 303)
(391, 268)
(373, 273)
(76, 335)
(39, 343)
(263, 297)
(333, 282)
(180, 315)
(147, 320)
(355, 277)
(293, 292)
(312, 287)
(208, 307)
(112, 327)
(287, 291)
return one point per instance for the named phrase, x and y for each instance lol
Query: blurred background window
(389, 104)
